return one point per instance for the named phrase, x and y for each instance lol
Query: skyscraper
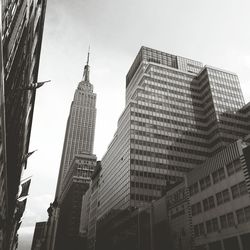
(79, 136)
(77, 165)
(178, 113)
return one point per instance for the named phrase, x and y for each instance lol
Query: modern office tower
(21, 36)
(76, 183)
(178, 113)
(39, 236)
(79, 137)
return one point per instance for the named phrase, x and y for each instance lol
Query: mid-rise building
(21, 37)
(209, 210)
(220, 200)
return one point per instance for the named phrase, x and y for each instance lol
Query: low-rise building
(220, 200)
(209, 210)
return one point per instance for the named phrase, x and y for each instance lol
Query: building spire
(86, 69)
(88, 56)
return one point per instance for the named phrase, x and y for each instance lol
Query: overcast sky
(215, 32)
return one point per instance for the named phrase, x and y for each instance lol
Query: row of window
(237, 190)
(159, 165)
(166, 137)
(155, 175)
(226, 221)
(169, 147)
(164, 156)
(174, 91)
(171, 129)
(187, 115)
(169, 121)
(147, 186)
(217, 176)
(142, 197)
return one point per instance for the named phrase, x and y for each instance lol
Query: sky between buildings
(215, 32)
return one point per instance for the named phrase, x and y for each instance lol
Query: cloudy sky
(214, 32)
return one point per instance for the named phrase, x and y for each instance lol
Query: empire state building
(79, 136)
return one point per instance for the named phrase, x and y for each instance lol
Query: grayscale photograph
(124, 125)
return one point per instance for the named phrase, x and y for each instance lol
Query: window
(208, 203)
(225, 195)
(247, 213)
(194, 189)
(219, 198)
(222, 197)
(240, 216)
(209, 226)
(239, 189)
(205, 182)
(233, 167)
(227, 220)
(230, 219)
(196, 208)
(212, 225)
(218, 175)
(243, 215)
(215, 225)
(242, 188)
(223, 221)
(199, 229)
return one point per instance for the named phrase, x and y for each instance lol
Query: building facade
(21, 36)
(208, 210)
(178, 113)
(90, 205)
(220, 200)
(76, 183)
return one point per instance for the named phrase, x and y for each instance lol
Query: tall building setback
(21, 29)
(80, 130)
(77, 166)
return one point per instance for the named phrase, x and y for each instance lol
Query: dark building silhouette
(21, 36)
(39, 236)
(89, 208)
(76, 184)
